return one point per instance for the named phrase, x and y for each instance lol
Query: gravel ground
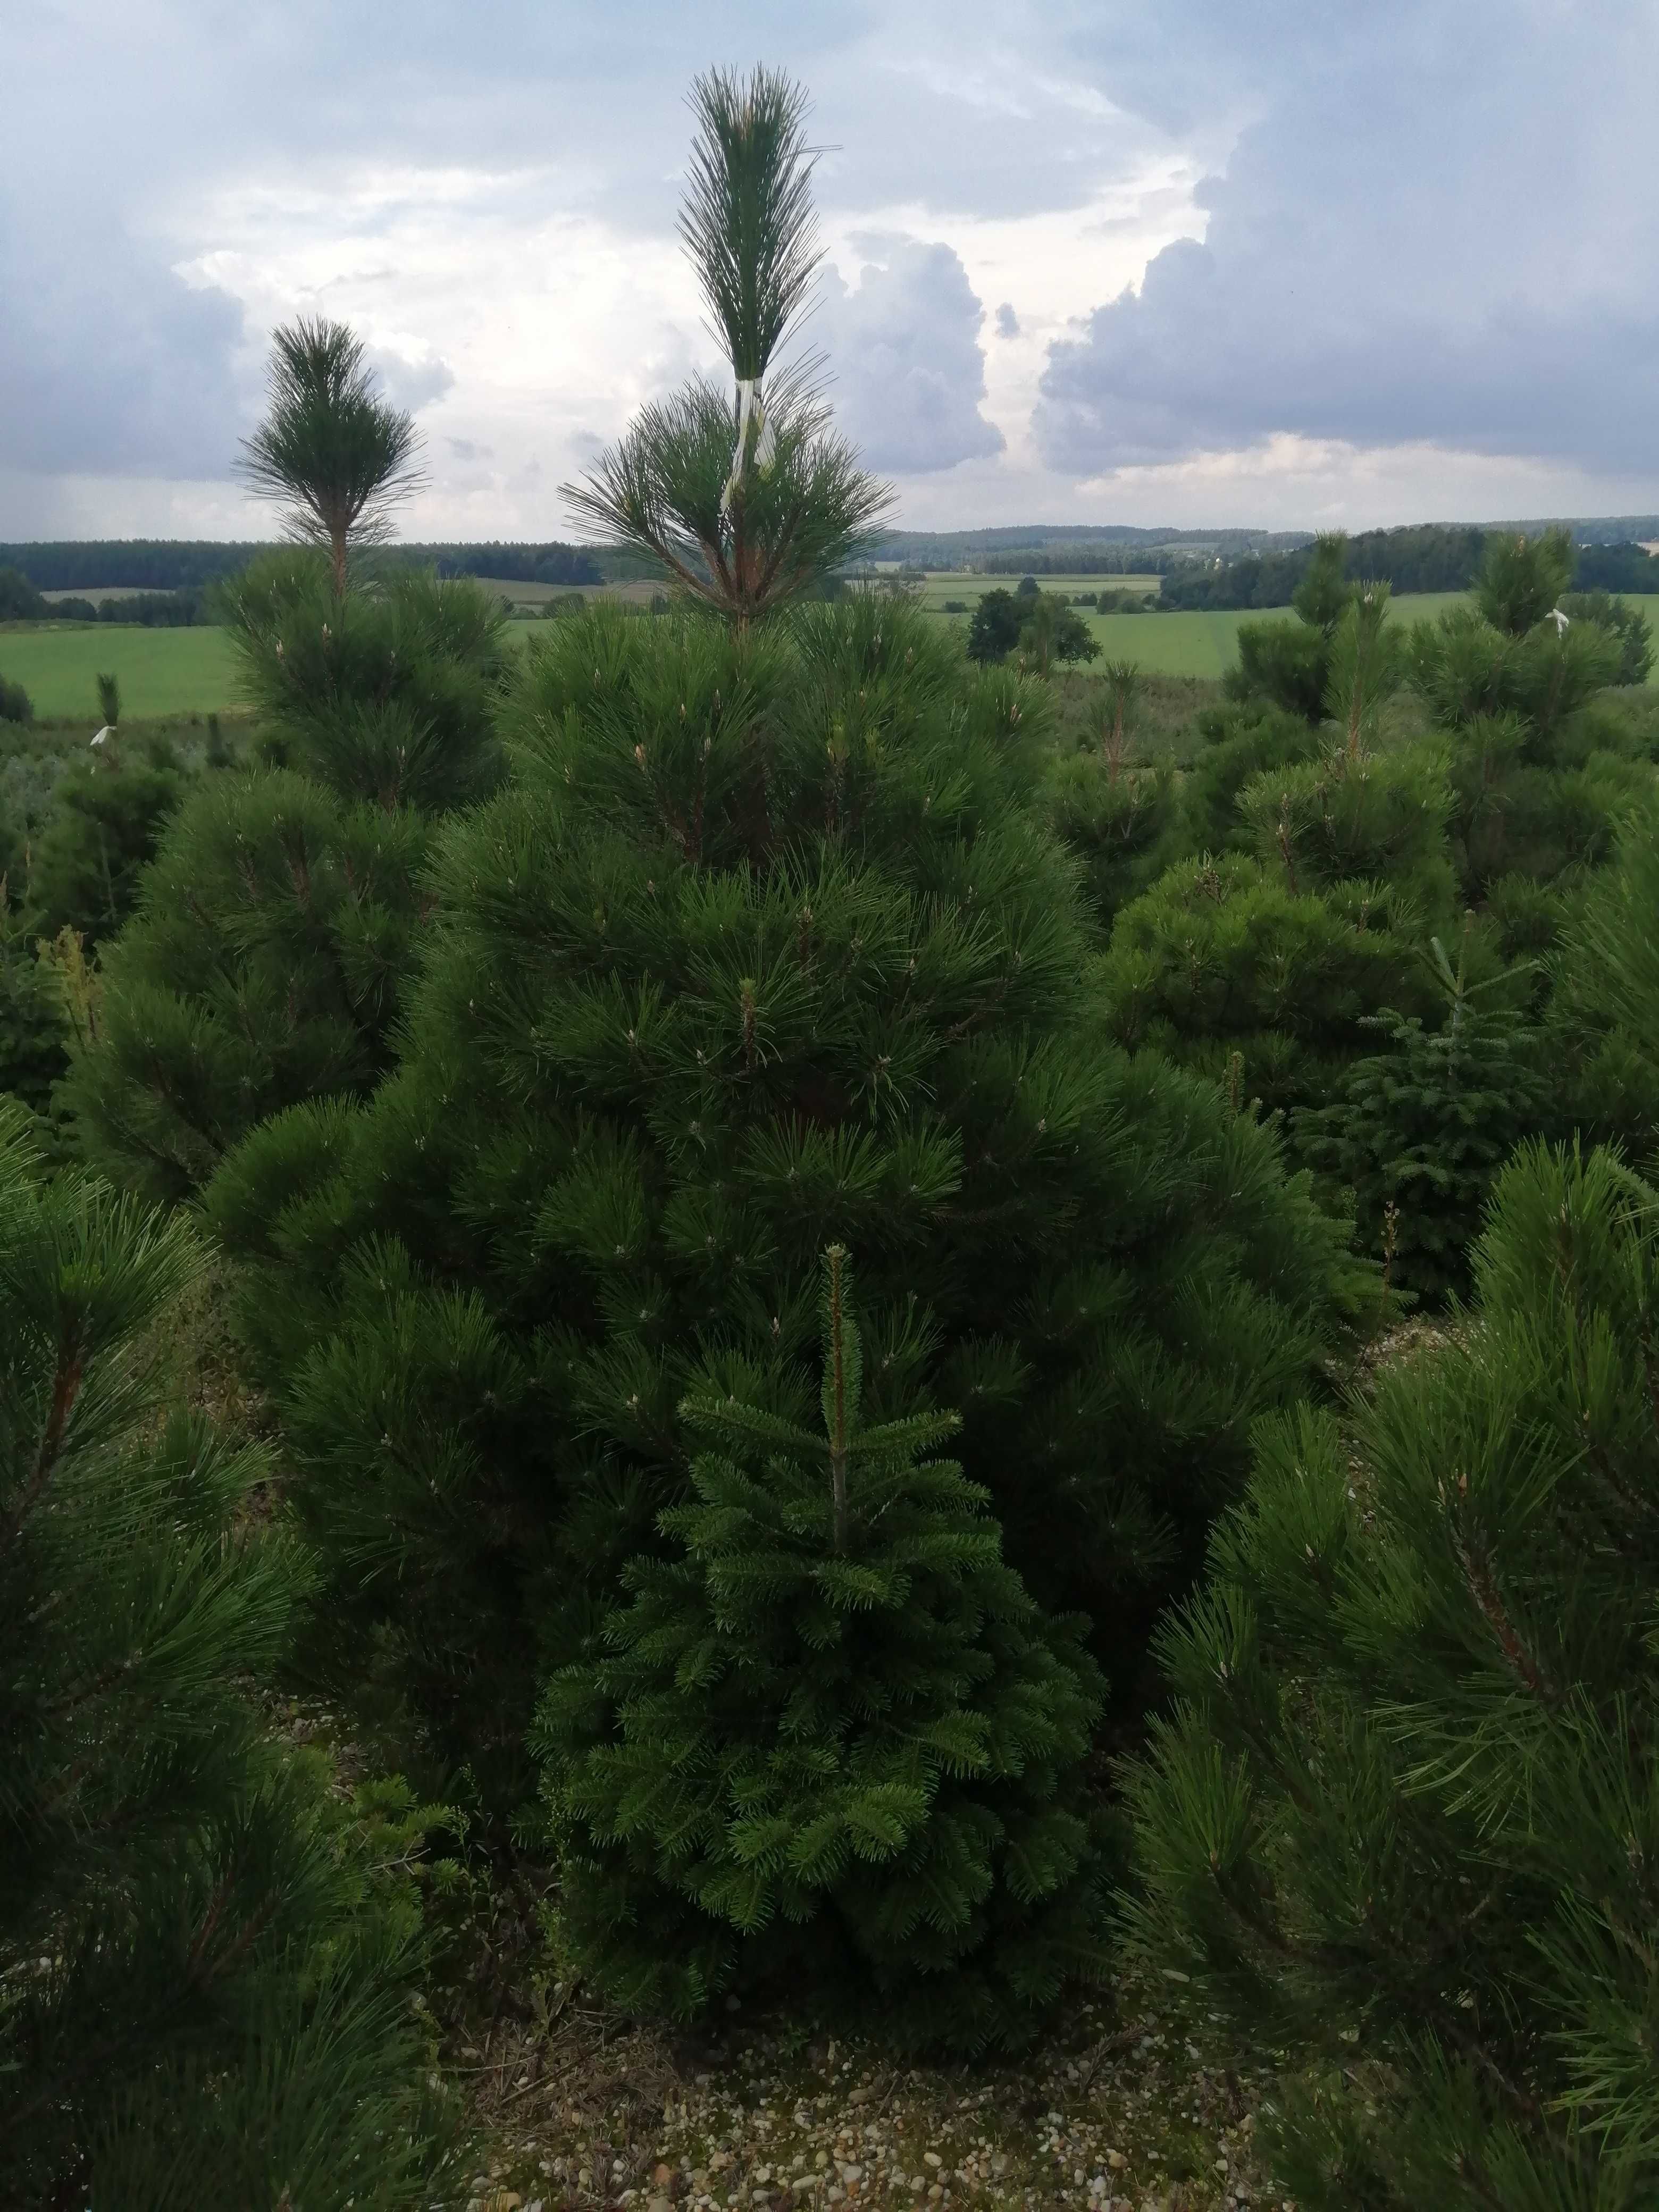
(1145, 2103)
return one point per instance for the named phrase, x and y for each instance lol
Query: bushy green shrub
(206, 1980)
(1403, 1818)
(15, 704)
(830, 1736)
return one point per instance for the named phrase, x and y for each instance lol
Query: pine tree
(1225, 957)
(765, 947)
(1403, 1817)
(1601, 1037)
(335, 457)
(1422, 1128)
(1289, 662)
(276, 925)
(105, 823)
(742, 528)
(203, 1980)
(830, 1734)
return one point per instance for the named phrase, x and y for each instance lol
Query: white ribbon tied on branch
(750, 407)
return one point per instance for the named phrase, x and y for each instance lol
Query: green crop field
(943, 584)
(162, 671)
(165, 672)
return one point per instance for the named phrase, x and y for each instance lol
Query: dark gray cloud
(909, 372)
(1440, 227)
(108, 361)
(411, 384)
(1007, 321)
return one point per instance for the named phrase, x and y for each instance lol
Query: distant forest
(158, 564)
(1422, 557)
(1215, 570)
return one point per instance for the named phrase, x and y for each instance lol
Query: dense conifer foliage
(766, 946)
(273, 933)
(829, 1732)
(204, 1981)
(1404, 1812)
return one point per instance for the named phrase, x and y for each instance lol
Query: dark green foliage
(104, 828)
(262, 967)
(1223, 957)
(1357, 817)
(386, 694)
(1625, 622)
(335, 457)
(1521, 578)
(829, 1735)
(275, 926)
(1421, 557)
(33, 1029)
(1240, 743)
(765, 947)
(1050, 630)
(109, 699)
(205, 1979)
(1403, 1818)
(1624, 567)
(19, 599)
(1421, 1128)
(1117, 818)
(1285, 663)
(1601, 1033)
(994, 631)
(16, 705)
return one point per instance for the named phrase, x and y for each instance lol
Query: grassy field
(945, 584)
(167, 673)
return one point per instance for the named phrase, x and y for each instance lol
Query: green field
(162, 671)
(943, 584)
(192, 671)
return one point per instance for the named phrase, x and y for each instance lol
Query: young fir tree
(830, 1734)
(765, 947)
(1422, 1128)
(275, 924)
(744, 502)
(1403, 1817)
(204, 1982)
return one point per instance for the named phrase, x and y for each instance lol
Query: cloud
(467, 449)
(412, 385)
(1007, 321)
(108, 361)
(1427, 237)
(904, 349)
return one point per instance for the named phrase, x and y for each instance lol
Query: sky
(1084, 261)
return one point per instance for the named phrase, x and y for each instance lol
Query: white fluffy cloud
(909, 371)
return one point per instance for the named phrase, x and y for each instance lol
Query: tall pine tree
(765, 947)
